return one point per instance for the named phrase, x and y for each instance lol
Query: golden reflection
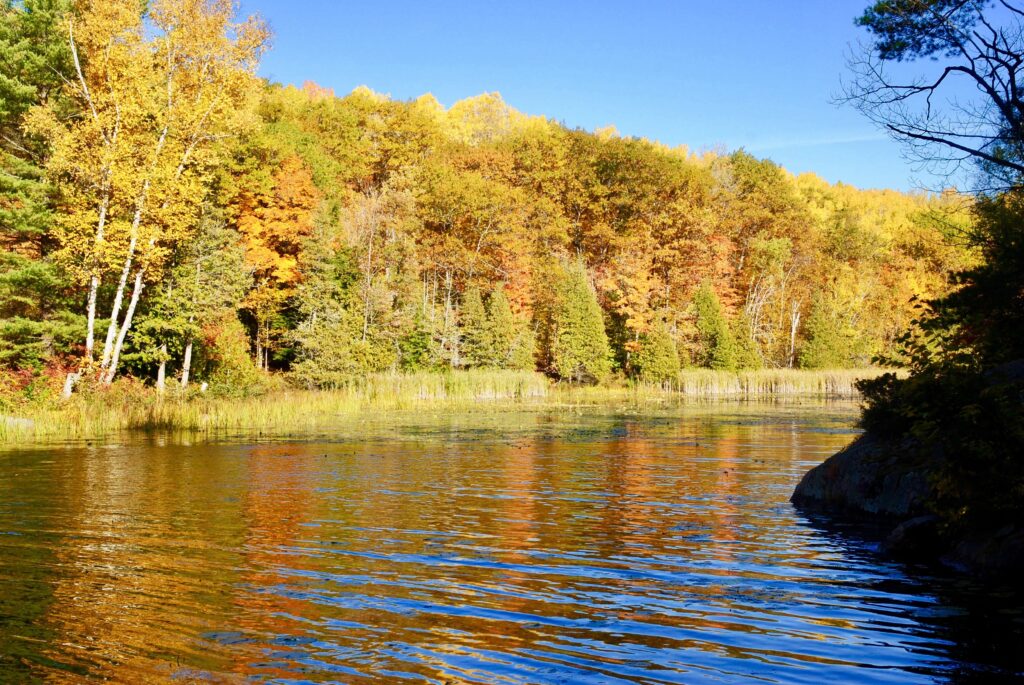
(618, 544)
(279, 498)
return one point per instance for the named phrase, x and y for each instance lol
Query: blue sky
(702, 73)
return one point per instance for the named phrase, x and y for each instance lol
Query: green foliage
(415, 347)
(581, 351)
(477, 346)
(747, 355)
(967, 430)
(908, 29)
(829, 344)
(228, 366)
(207, 282)
(715, 337)
(35, 321)
(657, 360)
(510, 340)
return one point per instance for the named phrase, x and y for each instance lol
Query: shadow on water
(588, 546)
(979, 625)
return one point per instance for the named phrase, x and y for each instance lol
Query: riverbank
(940, 465)
(129, 406)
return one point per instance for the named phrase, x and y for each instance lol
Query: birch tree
(163, 85)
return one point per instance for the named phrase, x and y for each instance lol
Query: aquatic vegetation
(129, 405)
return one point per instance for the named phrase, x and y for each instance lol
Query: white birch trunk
(161, 372)
(186, 364)
(116, 353)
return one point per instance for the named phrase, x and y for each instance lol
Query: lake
(605, 544)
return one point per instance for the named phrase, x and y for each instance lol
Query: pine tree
(747, 355)
(523, 356)
(827, 346)
(657, 360)
(35, 317)
(581, 352)
(510, 341)
(717, 346)
(476, 341)
(501, 331)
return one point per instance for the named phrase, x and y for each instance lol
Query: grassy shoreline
(105, 413)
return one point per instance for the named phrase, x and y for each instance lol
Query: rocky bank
(880, 480)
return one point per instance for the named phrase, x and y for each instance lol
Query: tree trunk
(69, 384)
(115, 309)
(794, 325)
(90, 336)
(116, 354)
(161, 372)
(140, 207)
(94, 282)
(186, 364)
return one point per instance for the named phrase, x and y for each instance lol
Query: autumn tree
(274, 213)
(158, 89)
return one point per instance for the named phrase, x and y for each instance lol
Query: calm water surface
(595, 546)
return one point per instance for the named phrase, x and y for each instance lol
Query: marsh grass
(102, 413)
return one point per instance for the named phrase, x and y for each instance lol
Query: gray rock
(868, 477)
(885, 480)
(916, 538)
(997, 555)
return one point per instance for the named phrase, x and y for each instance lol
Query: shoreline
(116, 410)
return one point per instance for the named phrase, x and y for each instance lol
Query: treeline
(165, 213)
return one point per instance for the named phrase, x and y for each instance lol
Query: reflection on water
(596, 547)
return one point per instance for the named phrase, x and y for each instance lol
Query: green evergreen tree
(716, 343)
(476, 341)
(502, 330)
(511, 341)
(415, 348)
(657, 360)
(747, 354)
(524, 353)
(828, 345)
(36, 320)
(581, 351)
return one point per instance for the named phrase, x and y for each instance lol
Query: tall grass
(90, 415)
(706, 384)
(838, 383)
(102, 413)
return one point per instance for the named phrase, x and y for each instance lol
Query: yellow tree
(274, 222)
(161, 86)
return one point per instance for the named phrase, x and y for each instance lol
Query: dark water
(599, 546)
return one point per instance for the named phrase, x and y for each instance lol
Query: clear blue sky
(735, 73)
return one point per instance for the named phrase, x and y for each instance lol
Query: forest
(169, 218)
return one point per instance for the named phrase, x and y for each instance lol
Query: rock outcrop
(869, 477)
(884, 481)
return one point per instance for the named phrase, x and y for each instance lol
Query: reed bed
(85, 416)
(835, 383)
(104, 413)
(706, 384)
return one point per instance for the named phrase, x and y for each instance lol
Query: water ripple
(530, 548)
